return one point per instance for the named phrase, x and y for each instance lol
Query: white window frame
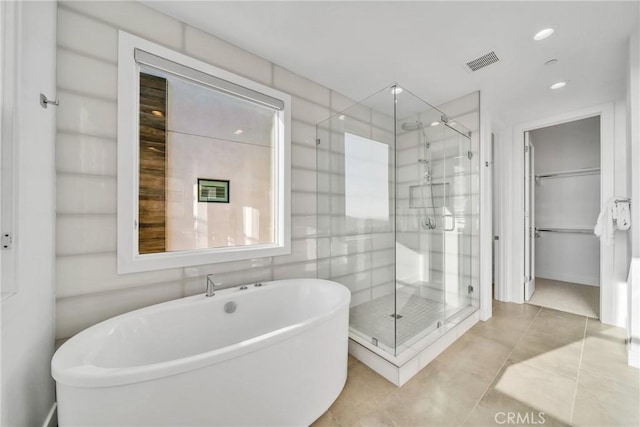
(129, 258)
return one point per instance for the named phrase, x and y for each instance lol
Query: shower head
(409, 126)
(417, 125)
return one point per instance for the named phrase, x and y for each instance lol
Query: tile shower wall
(89, 289)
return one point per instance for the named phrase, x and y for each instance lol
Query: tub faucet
(210, 285)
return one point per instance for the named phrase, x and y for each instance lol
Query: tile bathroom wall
(89, 289)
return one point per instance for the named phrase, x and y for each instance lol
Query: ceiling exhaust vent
(483, 61)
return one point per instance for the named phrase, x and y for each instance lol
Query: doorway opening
(562, 202)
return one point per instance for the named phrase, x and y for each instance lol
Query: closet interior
(565, 203)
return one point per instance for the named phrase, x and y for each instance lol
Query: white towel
(605, 228)
(623, 216)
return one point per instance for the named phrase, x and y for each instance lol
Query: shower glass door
(432, 220)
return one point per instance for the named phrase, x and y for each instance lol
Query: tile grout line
(501, 366)
(575, 392)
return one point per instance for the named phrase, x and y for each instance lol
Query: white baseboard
(633, 351)
(485, 313)
(52, 417)
(633, 313)
(571, 278)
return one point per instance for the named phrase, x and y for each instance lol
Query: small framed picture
(213, 190)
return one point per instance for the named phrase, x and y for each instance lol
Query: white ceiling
(358, 47)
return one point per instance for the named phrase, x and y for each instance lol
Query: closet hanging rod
(587, 171)
(564, 230)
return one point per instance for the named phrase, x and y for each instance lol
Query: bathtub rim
(91, 376)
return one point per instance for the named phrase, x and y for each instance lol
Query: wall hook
(44, 101)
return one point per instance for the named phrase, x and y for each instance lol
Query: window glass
(205, 166)
(366, 178)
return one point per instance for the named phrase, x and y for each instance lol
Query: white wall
(28, 314)
(88, 288)
(567, 201)
(633, 144)
(633, 138)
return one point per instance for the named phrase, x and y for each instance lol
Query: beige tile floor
(525, 366)
(569, 297)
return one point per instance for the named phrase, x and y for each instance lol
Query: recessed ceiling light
(551, 62)
(434, 124)
(238, 132)
(341, 117)
(396, 90)
(558, 85)
(157, 113)
(543, 34)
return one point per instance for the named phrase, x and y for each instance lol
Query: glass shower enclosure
(394, 184)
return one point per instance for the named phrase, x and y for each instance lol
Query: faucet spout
(210, 286)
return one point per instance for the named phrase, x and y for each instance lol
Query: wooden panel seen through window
(153, 157)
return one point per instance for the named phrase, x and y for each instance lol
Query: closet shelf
(578, 230)
(562, 174)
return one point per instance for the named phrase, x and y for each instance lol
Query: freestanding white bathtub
(279, 359)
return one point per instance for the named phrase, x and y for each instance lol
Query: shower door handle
(444, 222)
